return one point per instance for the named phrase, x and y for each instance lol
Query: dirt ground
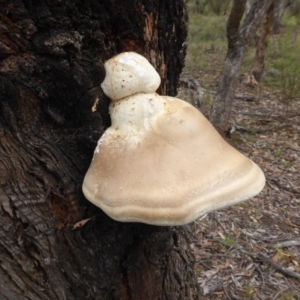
(252, 250)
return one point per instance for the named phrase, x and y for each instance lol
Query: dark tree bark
(51, 66)
(238, 39)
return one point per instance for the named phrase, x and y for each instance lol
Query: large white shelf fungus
(161, 162)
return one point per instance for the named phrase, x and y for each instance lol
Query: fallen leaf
(80, 223)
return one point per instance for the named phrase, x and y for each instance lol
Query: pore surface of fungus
(161, 162)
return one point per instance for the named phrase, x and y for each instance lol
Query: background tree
(261, 46)
(238, 38)
(55, 244)
(272, 20)
(280, 7)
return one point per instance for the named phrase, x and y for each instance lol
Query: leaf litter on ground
(252, 250)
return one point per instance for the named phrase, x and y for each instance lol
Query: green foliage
(206, 43)
(258, 212)
(249, 292)
(207, 99)
(282, 59)
(278, 153)
(294, 9)
(289, 164)
(210, 7)
(229, 241)
(219, 6)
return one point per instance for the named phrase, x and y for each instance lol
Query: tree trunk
(261, 47)
(237, 41)
(273, 18)
(248, 5)
(51, 66)
(280, 7)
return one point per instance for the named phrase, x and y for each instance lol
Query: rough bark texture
(237, 43)
(51, 65)
(262, 43)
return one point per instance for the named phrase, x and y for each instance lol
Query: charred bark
(51, 66)
(238, 38)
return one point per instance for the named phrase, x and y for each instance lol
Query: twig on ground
(261, 130)
(267, 115)
(245, 97)
(294, 148)
(279, 185)
(258, 236)
(220, 223)
(294, 242)
(273, 264)
(277, 266)
(256, 266)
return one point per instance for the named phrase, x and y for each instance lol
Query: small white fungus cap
(127, 74)
(161, 162)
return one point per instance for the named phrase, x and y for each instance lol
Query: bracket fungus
(161, 162)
